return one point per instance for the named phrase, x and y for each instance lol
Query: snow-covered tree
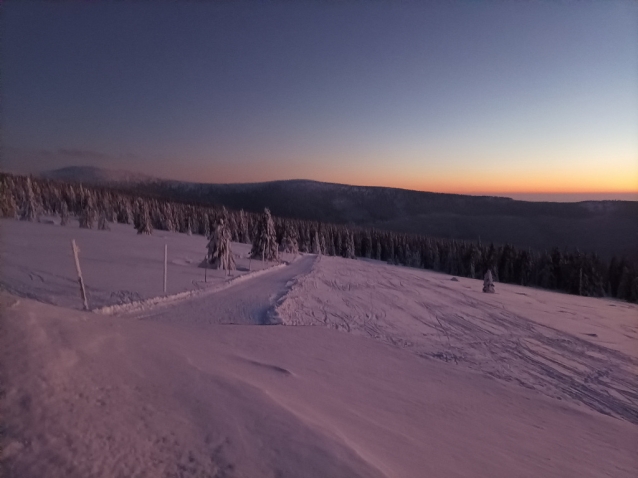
(142, 218)
(29, 207)
(377, 250)
(7, 202)
(488, 282)
(265, 241)
(87, 211)
(64, 214)
(289, 240)
(102, 222)
(206, 226)
(243, 229)
(348, 245)
(167, 216)
(316, 245)
(220, 254)
(322, 243)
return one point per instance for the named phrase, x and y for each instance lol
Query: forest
(573, 272)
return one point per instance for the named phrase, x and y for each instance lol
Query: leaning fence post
(165, 265)
(80, 279)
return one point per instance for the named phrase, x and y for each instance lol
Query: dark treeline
(572, 272)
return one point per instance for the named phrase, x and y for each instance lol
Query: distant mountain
(605, 227)
(93, 175)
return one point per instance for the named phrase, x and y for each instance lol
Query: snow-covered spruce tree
(142, 218)
(337, 242)
(64, 214)
(206, 226)
(242, 226)
(348, 245)
(220, 255)
(322, 242)
(167, 217)
(377, 250)
(316, 245)
(366, 245)
(29, 207)
(7, 203)
(289, 240)
(265, 241)
(232, 226)
(488, 282)
(87, 211)
(102, 222)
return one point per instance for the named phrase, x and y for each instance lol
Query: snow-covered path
(248, 302)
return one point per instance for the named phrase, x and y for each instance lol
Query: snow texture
(119, 266)
(583, 350)
(195, 388)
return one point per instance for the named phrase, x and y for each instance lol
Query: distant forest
(573, 272)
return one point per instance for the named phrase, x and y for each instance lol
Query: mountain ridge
(608, 227)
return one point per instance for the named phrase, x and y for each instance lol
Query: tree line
(573, 272)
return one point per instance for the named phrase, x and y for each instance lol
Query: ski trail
(249, 302)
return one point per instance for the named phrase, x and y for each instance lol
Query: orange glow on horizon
(476, 177)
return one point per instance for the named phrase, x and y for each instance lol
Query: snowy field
(584, 350)
(382, 371)
(119, 266)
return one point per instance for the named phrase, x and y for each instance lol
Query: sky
(526, 99)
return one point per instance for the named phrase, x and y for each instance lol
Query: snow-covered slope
(584, 350)
(434, 378)
(119, 266)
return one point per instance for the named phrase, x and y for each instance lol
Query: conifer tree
(488, 282)
(29, 208)
(366, 245)
(7, 203)
(348, 245)
(322, 243)
(64, 214)
(316, 246)
(377, 250)
(87, 211)
(220, 254)
(102, 223)
(265, 241)
(142, 218)
(207, 225)
(242, 226)
(289, 240)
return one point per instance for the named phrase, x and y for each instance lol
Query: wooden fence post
(165, 265)
(79, 271)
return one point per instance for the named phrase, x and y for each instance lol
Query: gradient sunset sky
(468, 97)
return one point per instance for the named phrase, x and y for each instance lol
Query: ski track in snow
(433, 317)
(250, 301)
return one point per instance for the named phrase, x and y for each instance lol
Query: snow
(571, 348)
(195, 388)
(119, 266)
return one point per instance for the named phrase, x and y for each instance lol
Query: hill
(606, 227)
(375, 371)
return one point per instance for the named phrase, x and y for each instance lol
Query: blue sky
(470, 97)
